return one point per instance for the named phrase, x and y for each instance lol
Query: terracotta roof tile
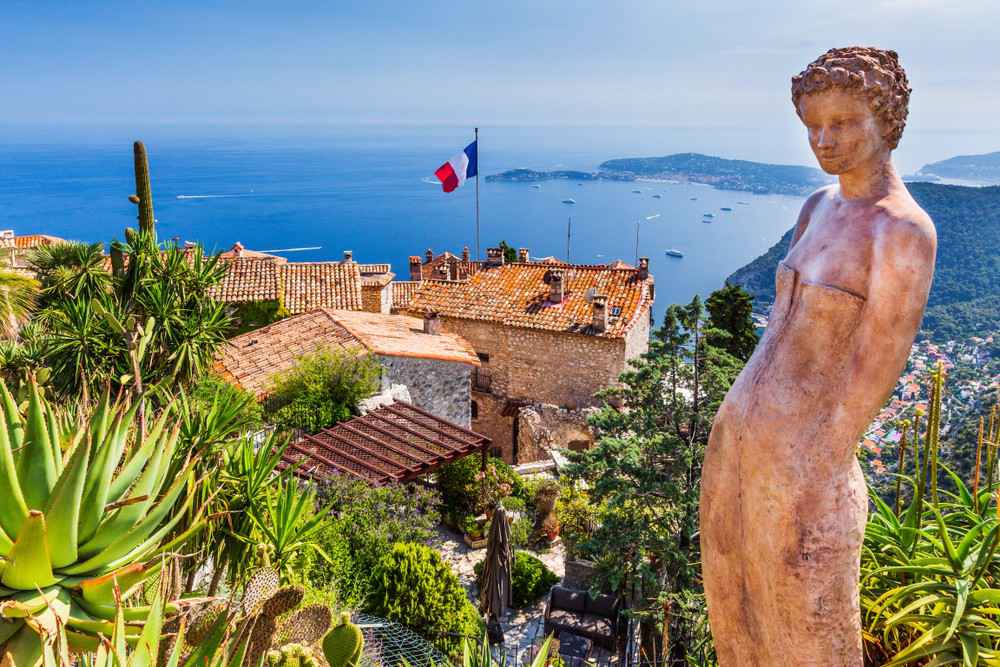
(248, 279)
(252, 359)
(35, 240)
(402, 292)
(518, 295)
(311, 285)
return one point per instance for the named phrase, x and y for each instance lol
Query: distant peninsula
(984, 168)
(739, 175)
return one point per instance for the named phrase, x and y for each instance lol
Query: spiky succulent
(85, 505)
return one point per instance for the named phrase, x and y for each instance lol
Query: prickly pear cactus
(306, 626)
(342, 646)
(292, 655)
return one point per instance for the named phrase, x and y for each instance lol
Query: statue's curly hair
(874, 73)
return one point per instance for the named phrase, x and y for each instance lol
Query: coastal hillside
(965, 297)
(739, 175)
(743, 175)
(984, 168)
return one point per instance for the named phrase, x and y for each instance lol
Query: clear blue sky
(511, 62)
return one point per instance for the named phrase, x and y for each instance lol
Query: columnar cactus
(143, 196)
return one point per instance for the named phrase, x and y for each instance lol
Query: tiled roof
(402, 292)
(311, 285)
(518, 295)
(403, 336)
(448, 266)
(374, 268)
(237, 250)
(248, 279)
(302, 286)
(395, 443)
(35, 240)
(251, 360)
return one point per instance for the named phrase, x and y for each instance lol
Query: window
(483, 357)
(475, 410)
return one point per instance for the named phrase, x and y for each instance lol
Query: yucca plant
(930, 570)
(85, 503)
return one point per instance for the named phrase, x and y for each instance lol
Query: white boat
(637, 192)
(694, 199)
(725, 208)
(707, 221)
(709, 215)
(743, 203)
(673, 252)
(569, 200)
(537, 187)
(657, 196)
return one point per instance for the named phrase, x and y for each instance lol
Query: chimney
(237, 249)
(643, 268)
(465, 254)
(556, 290)
(432, 323)
(348, 256)
(494, 257)
(415, 273)
(600, 318)
(522, 255)
(428, 256)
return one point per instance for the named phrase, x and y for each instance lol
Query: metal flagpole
(477, 193)
(569, 231)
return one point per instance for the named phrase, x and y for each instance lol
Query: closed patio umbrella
(495, 589)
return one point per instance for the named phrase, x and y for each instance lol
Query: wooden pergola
(392, 444)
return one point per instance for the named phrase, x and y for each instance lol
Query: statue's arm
(900, 278)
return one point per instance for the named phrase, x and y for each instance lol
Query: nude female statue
(783, 500)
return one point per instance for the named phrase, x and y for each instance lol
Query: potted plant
(474, 531)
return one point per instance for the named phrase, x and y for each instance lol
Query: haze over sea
(370, 189)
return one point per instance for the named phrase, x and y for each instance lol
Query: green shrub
(578, 520)
(530, 580)
(322, 390)
(414, 587)
(210, 388)
(520, 531)
(460, 490)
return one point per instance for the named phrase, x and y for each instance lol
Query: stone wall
(525, 367)
(375, 299)
(545, 427)
(439, 387)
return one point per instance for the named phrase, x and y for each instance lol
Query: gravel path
(520, 626)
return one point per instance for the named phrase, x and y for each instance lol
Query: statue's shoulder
(904, 224)
(812, 201)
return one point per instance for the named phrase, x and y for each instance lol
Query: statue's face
(843, 131)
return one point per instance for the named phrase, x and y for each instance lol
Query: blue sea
(371, 190)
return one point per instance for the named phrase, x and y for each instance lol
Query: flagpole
(477, 192)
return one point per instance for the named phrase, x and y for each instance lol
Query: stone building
(436, 367)
(376, 288)
(14, 249)
(548, 336)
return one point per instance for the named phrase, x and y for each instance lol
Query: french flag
(463, 166)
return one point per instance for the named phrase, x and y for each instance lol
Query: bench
(579, 613)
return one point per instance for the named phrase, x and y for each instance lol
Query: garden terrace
(395, 443)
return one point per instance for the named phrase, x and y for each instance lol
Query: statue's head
(853, 101)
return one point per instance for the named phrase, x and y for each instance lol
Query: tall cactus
(143, 196)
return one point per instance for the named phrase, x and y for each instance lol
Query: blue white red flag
(463, 166)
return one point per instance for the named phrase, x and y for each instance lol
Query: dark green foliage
(729, 310)
(529, 580)
(256, 314)
(461, 491)
(211, 390)
(509, 252)
(643, 474)
(362, 525)
(322, 390)
(414, 587)
(965, 296)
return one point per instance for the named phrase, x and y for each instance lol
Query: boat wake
(249, 194)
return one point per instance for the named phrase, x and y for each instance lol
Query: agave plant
(86, 504)
(931, 570)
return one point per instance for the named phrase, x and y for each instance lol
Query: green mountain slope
(965, 297)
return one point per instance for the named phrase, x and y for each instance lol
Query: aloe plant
(86, 506)
(931, 570)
